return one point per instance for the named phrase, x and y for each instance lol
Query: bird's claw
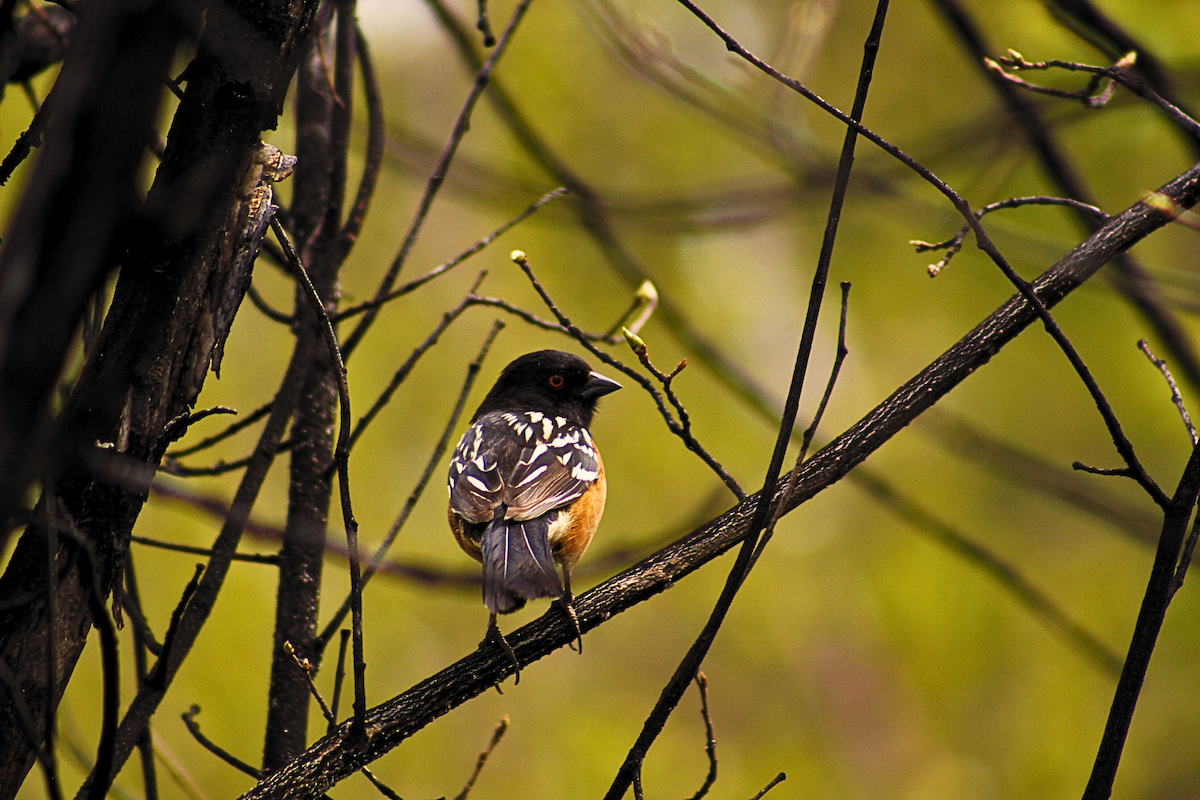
(567, 604)
(494, 636)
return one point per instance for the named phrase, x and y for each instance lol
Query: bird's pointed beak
(598, 386)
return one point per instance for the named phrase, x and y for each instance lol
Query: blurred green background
(863, 658)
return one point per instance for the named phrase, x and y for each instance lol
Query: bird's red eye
(556, 381)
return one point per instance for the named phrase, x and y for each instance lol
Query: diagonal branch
(330, 759)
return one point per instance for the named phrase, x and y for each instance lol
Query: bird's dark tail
(517, 564)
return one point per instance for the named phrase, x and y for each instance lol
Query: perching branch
(390, 723)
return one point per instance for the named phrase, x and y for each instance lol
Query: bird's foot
(567, 604)
(494, 636)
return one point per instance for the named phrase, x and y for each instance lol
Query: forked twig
(412, 285)
(1117, 73)
(438, 176)
(675, 426)
(955, 242)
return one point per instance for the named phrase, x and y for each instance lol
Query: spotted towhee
(527, 484)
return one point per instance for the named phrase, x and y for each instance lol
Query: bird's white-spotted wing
(527, 462)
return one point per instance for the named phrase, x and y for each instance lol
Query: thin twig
(412, 285)
(171, 466)
(1117, 73)
(342, 458)
(710, 739)
(307, 668)
(339, 677)
(30, 138)
(1176, 398)
(253, 558)
(1118, 472)
(675, 427)
(380, 785)
(955, 242)
(530, 318)
(436, 178)
(251, 418)
(1122, 444)
(1185, 558)
(267, 311)
(839, 358)
(376, 139)
(402, 373)
(778, 779)
(764, 512)
(484, 26)
(144, 637)
(435, 458)
(157, 675)
(497, 735)
(189, 719)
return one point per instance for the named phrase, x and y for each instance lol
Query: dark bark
(64, 240)
(323, 125)
(81, 202)
(174, 300)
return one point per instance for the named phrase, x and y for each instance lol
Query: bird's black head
(550, 381)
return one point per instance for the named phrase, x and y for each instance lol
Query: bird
(527, 485)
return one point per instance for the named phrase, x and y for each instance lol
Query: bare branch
(189, 719)
(251, 418)
(342, 458)
(434, 459)
(1117, 73)
(497, 735)
(1176, 398)
(675, 427)
(412, 285)
(437, 176)
(710, 740)
(778, 779)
